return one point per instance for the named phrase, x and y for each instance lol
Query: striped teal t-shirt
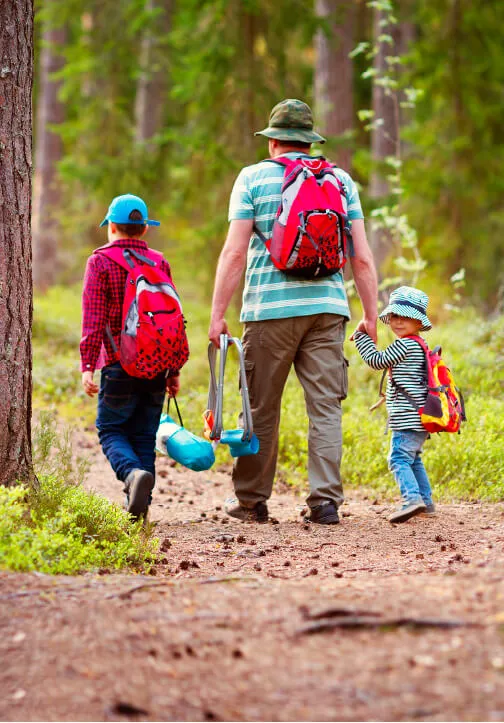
(269, 293)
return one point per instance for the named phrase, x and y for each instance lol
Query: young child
(129, 408)
(406, 391)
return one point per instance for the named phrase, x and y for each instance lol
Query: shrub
(79, 532)
(57, 527)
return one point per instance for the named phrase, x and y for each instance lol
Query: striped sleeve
(241, 204)
(391, 356)
(352, 195)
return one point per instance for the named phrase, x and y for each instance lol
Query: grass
(58, 527)
(461, 467)
(63, 529)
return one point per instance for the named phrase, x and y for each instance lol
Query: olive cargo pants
(314, 344)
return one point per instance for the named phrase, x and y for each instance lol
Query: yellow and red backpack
(443, 410)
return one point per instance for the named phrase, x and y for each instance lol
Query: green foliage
(58, 527)
(225, 64)
(454, 174)
(62, 529)
(56, 336)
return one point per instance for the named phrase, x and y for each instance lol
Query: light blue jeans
(405, 463)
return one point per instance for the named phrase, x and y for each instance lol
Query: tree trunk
(48, 152)
(334, 72)
(152, 82)
(249, 26)
(385, 138)
(16, 75)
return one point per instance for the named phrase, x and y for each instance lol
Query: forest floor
(283, 621)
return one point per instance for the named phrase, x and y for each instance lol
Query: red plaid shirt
(102, 302)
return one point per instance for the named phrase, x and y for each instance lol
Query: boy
(129, 408)
(406, 391)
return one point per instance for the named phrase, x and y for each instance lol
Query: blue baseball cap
(121, 207)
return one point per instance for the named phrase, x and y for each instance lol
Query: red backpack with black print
(153, 336)
(309, 234)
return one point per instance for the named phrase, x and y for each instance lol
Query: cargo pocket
(250, 374)
(343, 379)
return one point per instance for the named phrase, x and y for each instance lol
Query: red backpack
(310, 230)
(153, 336)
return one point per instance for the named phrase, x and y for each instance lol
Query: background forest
(161, 98)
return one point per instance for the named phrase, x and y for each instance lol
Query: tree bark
(249, 29)
(152, 82)
(16, 309)
(334, 72)
(48, 152)
(385, 139)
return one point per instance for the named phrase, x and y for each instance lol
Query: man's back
(269, 293)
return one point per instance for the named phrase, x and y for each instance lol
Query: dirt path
(227, 629)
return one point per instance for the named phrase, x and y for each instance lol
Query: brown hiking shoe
(258, 513)
(138, 486)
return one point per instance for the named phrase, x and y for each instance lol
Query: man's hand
(217, 327)
(232, 261)
(173, 386)
(89, 386)
(368, 327)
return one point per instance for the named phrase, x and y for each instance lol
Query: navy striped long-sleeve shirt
(406, 360)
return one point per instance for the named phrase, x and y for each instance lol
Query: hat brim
(408, 311)
(291, 134)
(147, 222)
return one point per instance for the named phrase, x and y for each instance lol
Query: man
(289, 321)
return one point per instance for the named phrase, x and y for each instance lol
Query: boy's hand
(89, 386)
(172, 386)
(368, 327)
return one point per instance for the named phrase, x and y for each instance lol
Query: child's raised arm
(391, 356)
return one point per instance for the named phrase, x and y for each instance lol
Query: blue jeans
(405, 462)
(129, 410)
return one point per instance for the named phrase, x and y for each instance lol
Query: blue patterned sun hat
(409, 302)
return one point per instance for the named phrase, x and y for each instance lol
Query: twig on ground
(210, 580)
(125, 594)
(43, 590)
(337, 613)
(358, 622)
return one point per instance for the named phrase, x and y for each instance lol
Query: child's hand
(368, 327)
(89, 386)
(172, 386)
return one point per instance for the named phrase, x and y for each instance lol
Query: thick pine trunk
(152, 82)
(334, 72)
(16, 74)
(49, 148)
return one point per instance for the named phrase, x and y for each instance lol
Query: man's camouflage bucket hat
(291, 120)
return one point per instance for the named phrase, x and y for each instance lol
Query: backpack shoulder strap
(280, 160)
(155, 256)
(420, 341)
(284, 161)
(118, 255)
(124, 256)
